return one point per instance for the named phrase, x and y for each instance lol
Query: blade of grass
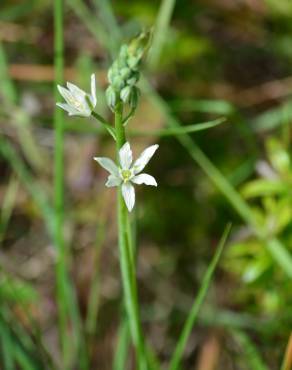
(13, 12)
(93, 300)
(19, 118)
(273, 118)
(23, 348)
(36, 191)
(122, 346)
(161, 30)
(109, 22)
(193, 314)
(252, 357)
(287, 362)
(94, 27)
(8, 90)
(7, 348)
(203, 106)
(176, 131)
(68, 312)
(163, 132)
(7, 206)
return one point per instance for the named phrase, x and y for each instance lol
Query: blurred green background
(210, 59)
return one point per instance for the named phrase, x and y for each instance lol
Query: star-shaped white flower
(128, 173)
(78, 102)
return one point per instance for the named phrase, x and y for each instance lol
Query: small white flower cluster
(127, 173)
(78, 102)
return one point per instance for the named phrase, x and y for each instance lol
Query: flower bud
(111, 97)
(133, 79)
(139, 45)
(118, 82)
(125, 93)
(125, 73)
(134, 97)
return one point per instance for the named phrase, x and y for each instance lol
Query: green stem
(59, 182)
(105, 124)
(126, 260)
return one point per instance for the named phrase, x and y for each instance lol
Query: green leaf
(264, 187)
(204, 106)
(176, 131)
(278, 156)
(252, 357)
(193, 315)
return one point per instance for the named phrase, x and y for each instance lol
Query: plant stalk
(126, 260)
(59, 186)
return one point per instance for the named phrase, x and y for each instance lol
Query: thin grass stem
(59, 185)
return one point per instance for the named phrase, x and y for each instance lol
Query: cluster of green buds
(124, 73)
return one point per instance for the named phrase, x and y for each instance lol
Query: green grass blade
(109, 22)
(6, 348)
(273, 118)
(20, 9)
(193, 315)
(7, 206)
(287, 362)
(94, 27)
(252, 357)
(8, 90)
(122, 346)
(68, 312)
(176, 131)
(161, 30)
(36, 192)
(203, 106)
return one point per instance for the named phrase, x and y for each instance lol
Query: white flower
(78, 102)
(127, 173)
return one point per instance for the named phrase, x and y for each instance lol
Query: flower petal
(76, 91)
(93, 91)
(83, 113)
(128, 193)
(68, 108)
(113, 181)
(126, 156)
(108, 164)
(144, 178)
(144, 158)
(66, 94)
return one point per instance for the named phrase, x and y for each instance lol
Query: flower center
(126, 175)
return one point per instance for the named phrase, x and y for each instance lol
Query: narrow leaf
(193, 315)
(252, 358)
(181, 130)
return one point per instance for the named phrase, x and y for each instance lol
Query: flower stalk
(126, 261)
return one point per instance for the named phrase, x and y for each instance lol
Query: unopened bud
(111, 97)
